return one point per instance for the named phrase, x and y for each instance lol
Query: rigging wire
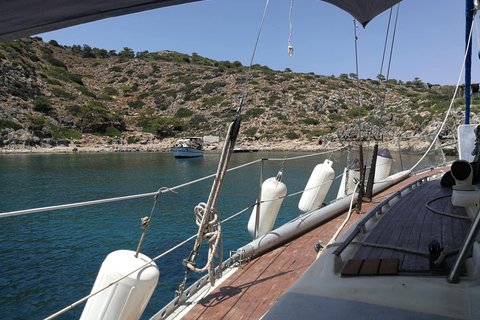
(358, 80)
(381, 68)
(240, 104)
(476, 27)
(382, 109)
(451, 102)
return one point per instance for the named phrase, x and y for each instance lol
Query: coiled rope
(207, 218)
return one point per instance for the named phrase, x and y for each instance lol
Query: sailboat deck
(413, 229)
(253, 289)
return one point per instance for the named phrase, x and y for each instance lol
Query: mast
(469, 12)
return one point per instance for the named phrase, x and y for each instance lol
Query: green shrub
(64, 133)
(19, 89)
(4, 124)
(110, 91)
(14, 45)
(137, 104)
(215, 100)
(85, 91)
(115, 69)
(55, 62)
(334, 117)
(75, 110)
(212, 86)
(42, 104)
(183, 113)
(253, 113)
(63, 94)
(291, 135)
(36, 122)
(197, 120)
(105, 97)
(62, 74)
(353, 112)
(250, 131)
(309, 121)
(53, 81)
(112, 132)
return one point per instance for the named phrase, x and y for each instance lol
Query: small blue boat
(188, 147)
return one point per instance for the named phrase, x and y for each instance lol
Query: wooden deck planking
(251, 291)
(407, 260)
(415, 229)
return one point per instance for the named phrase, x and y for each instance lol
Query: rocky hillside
(57, 95)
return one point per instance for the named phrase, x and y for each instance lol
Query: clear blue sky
(429, 41)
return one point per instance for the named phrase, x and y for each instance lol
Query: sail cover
(21, 18)
(364, 10)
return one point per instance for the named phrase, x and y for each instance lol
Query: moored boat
(188, 147)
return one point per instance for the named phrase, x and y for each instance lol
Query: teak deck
(416, 227)
(253, 289)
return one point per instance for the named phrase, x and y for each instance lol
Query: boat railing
(227, 263)
(379, 210)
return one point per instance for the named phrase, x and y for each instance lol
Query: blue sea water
(49, 260)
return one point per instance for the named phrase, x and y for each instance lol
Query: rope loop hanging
(212, 231)
(146, 221)
(206, 216)
(290, 48)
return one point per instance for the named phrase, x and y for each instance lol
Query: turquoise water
(50, 259)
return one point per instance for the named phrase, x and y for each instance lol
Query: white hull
(185, 152)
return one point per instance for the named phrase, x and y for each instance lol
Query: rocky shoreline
(24, 142)
(158, 146)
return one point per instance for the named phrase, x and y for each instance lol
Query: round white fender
(273, 191)
(317, 186)
(384, 165)
(128, 298)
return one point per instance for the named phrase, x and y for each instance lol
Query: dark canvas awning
(364, 10)
(21, 18)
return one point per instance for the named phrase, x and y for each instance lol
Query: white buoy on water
(317, 186)
(273, 191)
(126, 299)
(384, 165)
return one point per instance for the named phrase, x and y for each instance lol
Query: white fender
(317, 186)
(128, 298)
(353, 177)
(384, 165)
(272, 189)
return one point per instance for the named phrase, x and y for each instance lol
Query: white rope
(213, 233)
(209, 226)
(290, 48)
(350, 210)
(451, 102)
(476, 27)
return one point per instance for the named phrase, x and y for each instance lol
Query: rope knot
(290, 51)
(145, 222)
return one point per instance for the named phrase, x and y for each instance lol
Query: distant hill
(52, 94)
